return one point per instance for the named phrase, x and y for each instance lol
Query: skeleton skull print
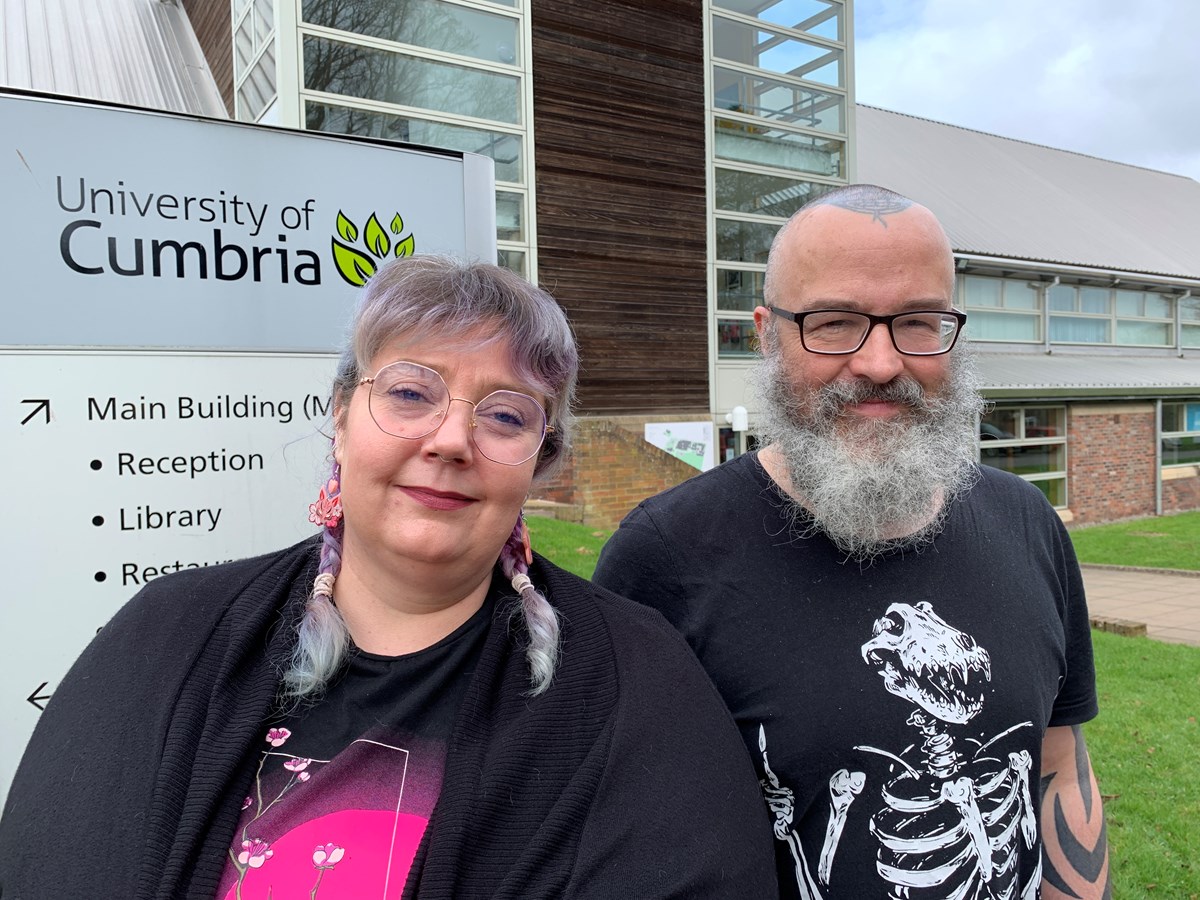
(951, 811)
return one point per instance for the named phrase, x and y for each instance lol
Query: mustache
(833, 398)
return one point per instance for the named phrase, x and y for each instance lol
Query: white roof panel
(1006, 198)
(136, 52)
(1080, 375)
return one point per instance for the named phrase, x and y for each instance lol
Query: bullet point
(96, 464)
(100, 576)
(97, 521)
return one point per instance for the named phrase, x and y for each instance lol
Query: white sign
(173, 291)
(125, 228)
(691, 442)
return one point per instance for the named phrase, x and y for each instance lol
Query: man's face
(839, 259)
(871, 446)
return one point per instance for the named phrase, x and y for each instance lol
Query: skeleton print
(951, 811)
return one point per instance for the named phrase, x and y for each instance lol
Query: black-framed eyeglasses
(835, 332)
(409, 400)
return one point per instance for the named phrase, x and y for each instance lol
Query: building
(646, 154)
(1081, 278)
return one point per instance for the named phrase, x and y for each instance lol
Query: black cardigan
(627, 778)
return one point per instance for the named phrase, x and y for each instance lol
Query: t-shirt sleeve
(1076, 701)
(637, 563)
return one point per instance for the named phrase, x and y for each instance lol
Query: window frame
(1023, 441)
(1164, 435)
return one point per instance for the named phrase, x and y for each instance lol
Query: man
(901, 635)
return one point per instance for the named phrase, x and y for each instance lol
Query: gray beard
(872, 486)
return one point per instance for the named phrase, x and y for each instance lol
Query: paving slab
(1166, 601)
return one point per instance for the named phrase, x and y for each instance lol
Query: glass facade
(443, 73)
(779, 132)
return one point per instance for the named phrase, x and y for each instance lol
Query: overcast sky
(1112, 78)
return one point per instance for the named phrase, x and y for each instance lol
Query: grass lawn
(568, 545)
(1145, 748)
(1145, 745)
(1161, 542)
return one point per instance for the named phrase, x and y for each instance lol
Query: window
(736, 337)
(1030, 441)
(505, 148)
(739, 290)
(1093, 315)
(816, 17)
(337, 67)
(431, 24)
(1189, 319)
(1181, 433)
(743, 241)
(1000, 309)
(768, 195)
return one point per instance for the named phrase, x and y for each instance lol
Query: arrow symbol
(35, 696)
(40, 406)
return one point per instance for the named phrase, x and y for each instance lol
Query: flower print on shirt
(339, 829)
(326, 856)
(254, 853)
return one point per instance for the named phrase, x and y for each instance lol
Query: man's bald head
(848, 224)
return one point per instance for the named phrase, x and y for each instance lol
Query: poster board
(691, 442)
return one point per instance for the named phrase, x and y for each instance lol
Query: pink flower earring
(327, 511)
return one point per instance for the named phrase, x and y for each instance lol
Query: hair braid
(322, 636)
(539, 616)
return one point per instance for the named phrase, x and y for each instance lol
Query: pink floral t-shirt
(344, 788)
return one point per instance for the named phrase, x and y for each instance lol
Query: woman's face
(434, 499)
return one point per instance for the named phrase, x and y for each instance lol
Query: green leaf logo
(353, 264)
(347, 229)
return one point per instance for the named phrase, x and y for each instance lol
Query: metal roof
(1046, 376)
(1005, 198)
(136, 52)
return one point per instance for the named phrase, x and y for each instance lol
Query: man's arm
(1074, 840)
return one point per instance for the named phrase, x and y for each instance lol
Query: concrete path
(1166, 601)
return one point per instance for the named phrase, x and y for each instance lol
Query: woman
(414, 702)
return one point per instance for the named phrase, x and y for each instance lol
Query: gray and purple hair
(443, 299)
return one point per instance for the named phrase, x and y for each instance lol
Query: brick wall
(612, 468)
(1110, 467)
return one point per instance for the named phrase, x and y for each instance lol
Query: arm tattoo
(1074, 836)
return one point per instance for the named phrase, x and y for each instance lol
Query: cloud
(1107, 78)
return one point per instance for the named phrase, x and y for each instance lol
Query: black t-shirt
(345, 786)
(894, 711)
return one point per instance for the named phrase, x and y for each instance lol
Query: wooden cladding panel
(214, 30)
(619, 125)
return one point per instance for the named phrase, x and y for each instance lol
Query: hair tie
(521, 582)
(323, 585)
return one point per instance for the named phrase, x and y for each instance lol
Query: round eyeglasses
(921, 332)
(408, 400)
